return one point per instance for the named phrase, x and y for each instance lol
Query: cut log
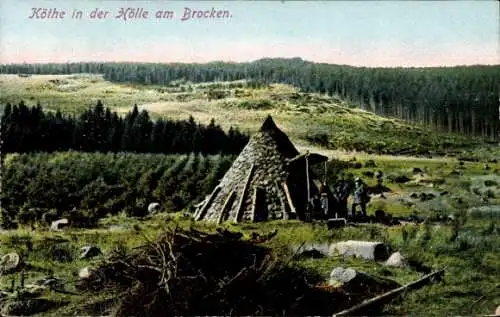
(289, 199)
(241, 203)
(205, 207)
(362, 249)
(227, 205)
(388, 295)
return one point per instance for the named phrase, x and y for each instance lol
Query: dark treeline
(462, 99)
(31, 129)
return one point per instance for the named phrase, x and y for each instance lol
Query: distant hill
(308, 118)
(462, 99)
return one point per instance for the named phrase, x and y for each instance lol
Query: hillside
(460, 99)
(308, 118)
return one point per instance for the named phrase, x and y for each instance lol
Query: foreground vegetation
(469, 253)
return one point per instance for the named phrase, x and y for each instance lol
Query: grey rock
(90, 251)
(153, 208)
(396, 260)
(9, 262)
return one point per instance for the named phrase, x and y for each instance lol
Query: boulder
(367, 250)
(311, 249)
(59, 224)
(153, 208)
(90, 251)
(354, 281)
(9, 262)
(396, 260)
(87, 273)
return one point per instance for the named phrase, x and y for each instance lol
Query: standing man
(342, 191)
(361, 197)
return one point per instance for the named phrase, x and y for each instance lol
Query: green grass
(472, 266)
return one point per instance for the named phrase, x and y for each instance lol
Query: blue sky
(368, 33)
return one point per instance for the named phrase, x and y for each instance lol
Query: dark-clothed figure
(313, 208)
(316, 205)
(341, 195)
(361, 197)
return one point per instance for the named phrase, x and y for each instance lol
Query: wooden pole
(308, 212)
(282, 202)
(307, 178)
(207, 204)
(239, 211)
(324, 178)
(227, 204)
(389, 294)
(289, 198)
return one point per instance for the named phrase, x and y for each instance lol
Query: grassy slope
(302, 116)
(472, 259)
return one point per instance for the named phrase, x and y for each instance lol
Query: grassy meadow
(468, 247)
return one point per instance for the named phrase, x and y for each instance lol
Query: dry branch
(388, 295)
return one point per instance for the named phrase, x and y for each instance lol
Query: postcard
(185, 158)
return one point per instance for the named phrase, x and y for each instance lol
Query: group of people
(343, 188)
